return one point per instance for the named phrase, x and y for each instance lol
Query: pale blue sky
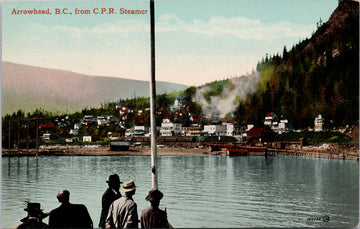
(197, 41)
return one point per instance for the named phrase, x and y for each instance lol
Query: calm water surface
(200, 191)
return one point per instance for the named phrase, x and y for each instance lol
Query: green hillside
(319, 75)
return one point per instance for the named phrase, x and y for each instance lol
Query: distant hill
(27, 88)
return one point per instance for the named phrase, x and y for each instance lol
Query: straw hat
(128, 186)
(154, 194)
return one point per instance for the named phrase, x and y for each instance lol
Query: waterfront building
(260, 135)
(214, 130)
(169, 128)
(194, 131)
(140, 131)
(235, 129)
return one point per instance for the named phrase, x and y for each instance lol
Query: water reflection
(207, 191)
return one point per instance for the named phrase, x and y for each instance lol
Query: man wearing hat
(153, 217)
(34, 217)
(111, 194)
(123, 211)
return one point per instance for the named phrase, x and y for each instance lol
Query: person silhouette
(34, 218)
(111, 194)
(153, 217)
(69, 215)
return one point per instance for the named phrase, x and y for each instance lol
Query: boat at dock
(246, 151)
(239, 150)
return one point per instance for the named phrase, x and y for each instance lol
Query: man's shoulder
(57, 210)
(146, 211)
(107, 192)
(119, 201)
(78, 207)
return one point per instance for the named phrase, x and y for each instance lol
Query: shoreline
(174, 150)
(105, 151)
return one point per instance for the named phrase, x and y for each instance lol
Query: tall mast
(153, 98)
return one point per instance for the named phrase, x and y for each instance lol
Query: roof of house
(270, 114)
(166, 116)
(46, 125)
(195, 116)
(257, 130)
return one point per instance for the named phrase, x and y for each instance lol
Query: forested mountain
(319, 75)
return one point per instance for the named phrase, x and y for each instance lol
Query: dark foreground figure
(69, 215)
(111, 194)
(34, 218)
(153, 217)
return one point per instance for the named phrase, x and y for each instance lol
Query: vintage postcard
(180, 113)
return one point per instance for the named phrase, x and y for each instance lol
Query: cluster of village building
(178, 121)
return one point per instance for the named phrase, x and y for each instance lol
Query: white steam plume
(226, 102)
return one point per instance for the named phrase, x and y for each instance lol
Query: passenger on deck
(69, 215)
(111, 194)
(34, 218)
(153, 217)
(123, 211)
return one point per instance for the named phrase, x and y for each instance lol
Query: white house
(170, 129)
(318, 123)
(179, 103)
(101, 120)
(214, 130)
(140, 130)
(270, 118)
(74, 131)
(77, 126)
(87, 139)
(283, 126)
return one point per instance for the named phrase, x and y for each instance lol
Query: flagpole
(153, 98)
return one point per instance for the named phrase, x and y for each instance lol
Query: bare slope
(27, 88)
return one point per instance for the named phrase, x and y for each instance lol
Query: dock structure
(18, 121)
(120, 146)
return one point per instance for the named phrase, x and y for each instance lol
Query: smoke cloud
(226, 102)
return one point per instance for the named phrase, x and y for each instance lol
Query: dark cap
(154, 194)
(114, 179)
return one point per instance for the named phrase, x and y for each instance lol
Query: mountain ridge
(28, 87)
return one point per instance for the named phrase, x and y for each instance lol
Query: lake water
(199, 191)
